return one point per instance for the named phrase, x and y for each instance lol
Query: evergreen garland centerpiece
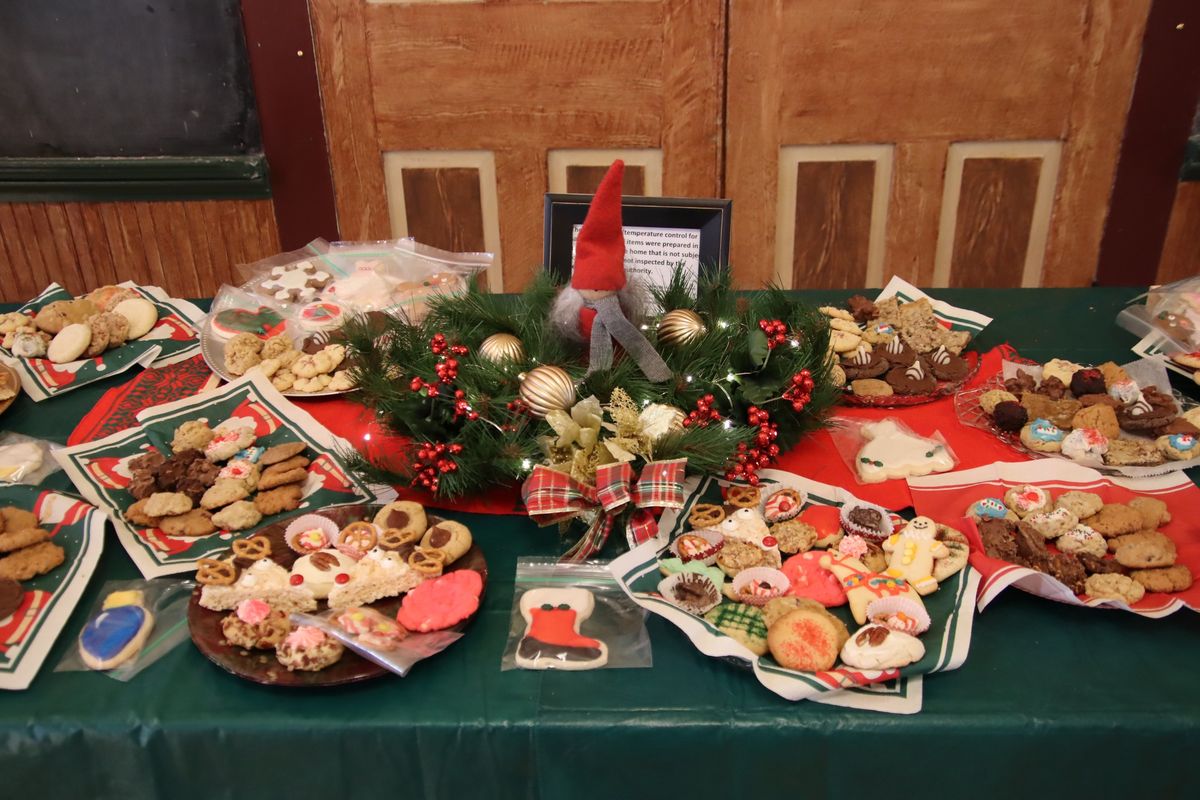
(487, 386)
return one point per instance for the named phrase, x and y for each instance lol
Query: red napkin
(817, 458)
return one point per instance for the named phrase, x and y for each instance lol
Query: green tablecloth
(1052, 698)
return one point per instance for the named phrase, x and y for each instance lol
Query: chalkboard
(125, 78)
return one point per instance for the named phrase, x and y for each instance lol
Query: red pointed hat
(600, 249)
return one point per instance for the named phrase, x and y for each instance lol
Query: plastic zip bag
(26, 460)
(397, 652)
(131, 625)
(887, 449)
(573, 617)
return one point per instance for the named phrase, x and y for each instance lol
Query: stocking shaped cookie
(891, 452)
(552, 639)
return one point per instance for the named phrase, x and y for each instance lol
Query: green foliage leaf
(758, 348)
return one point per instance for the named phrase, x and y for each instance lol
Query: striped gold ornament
(681, 326)
(502, 347)
(547, 388)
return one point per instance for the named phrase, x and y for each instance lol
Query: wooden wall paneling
(344, 72)
(447, 199)
(914, 209)
(752, 138)
(580, 171)
(693, 99)
(996, 212)
(444, 207)
(90, 237)
(64, 246)
(585, 180)
(34, 258)
(520, 176)
(156, 269)
(831, 215)
(1181, 248)
(14, 249)
(1103, 80)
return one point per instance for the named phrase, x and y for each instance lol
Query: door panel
(515, 86)
(933, 82)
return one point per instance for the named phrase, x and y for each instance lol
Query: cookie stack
(67, 330)
(1084, 531)
(853, 556)
(894, 348)
(1095, 415)
(215, 479)
(26, 551)
(312, 369)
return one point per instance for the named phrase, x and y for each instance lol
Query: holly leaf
(758, 348)
(756, 392)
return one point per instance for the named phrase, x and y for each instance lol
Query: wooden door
(449, 121)
(966, 143)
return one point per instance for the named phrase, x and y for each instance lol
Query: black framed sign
(660, 233)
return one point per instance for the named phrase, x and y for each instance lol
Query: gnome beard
(598, 305)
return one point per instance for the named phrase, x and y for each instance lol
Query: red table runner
(815, 457)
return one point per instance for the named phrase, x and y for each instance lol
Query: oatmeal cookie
(1115, 519)
(1082, 504)
(1175, 578)
(1154, 512)
(224, 492)
(197, 522)
(31, 561)
(274, 501)
(1145, 551)
(167, 504)
(136, 514)
(237, 516)
(191, 435)
(1114, 587)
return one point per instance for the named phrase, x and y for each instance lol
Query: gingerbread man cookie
(913, 551)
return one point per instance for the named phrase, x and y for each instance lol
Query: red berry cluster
(418, 384)
(433, 461)
(462, 408)
(761, 453)
(800, 392)
(447, 370)
(440, 346)
(703, 415)
(775, 330)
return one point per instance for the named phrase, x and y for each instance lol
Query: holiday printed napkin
(100, 469)
(952, 317)
(1155, 345)
(948, 496)
(895, 691)
(173, 338)
(27, 634)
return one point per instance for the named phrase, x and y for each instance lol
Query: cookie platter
(10, 387)
(50, 543)
(388, 584)
(903, 349)
(321, 349)
(810, 586)
(1066, 533)
(1099, 417)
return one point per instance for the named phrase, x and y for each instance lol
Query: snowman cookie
(552, 639)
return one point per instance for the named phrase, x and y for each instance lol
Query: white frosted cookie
(140, 313)
(70, 343)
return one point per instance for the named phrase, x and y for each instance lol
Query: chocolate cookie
(1053, 388)
(1101, 566)
(897, 353)
(1020, 383)
(11, 595)
(913, 379)
(946, 366)
(1010, 416)
(998, 540)
(1087, 381)
(862, 309)
(864, 363)
(1068, 569)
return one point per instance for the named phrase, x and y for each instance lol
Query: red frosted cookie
(441, 602)
(826, 520)
(809, 579)
(262, 322)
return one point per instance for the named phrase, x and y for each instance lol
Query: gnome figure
(596, 308)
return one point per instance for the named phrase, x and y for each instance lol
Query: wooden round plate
(9, 379)
(261, 666)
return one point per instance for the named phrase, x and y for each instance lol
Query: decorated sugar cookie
(117, 633)
(552, 639)
(263, 322)
(912, 552)
(298, 283)
(891, 452)
(863, 586)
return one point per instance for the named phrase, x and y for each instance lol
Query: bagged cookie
(887, 449)
(573, 617)
(131, 625)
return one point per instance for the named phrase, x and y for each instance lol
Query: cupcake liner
(778, 582)
(877, 535)
(704, 595)
(709, 557)
(901, 614)
(772, 511)
(307, 522)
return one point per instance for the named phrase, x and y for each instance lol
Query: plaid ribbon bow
(551, 496)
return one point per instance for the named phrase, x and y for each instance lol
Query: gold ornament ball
(681, 326)
(547, 388)
(502, 347)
